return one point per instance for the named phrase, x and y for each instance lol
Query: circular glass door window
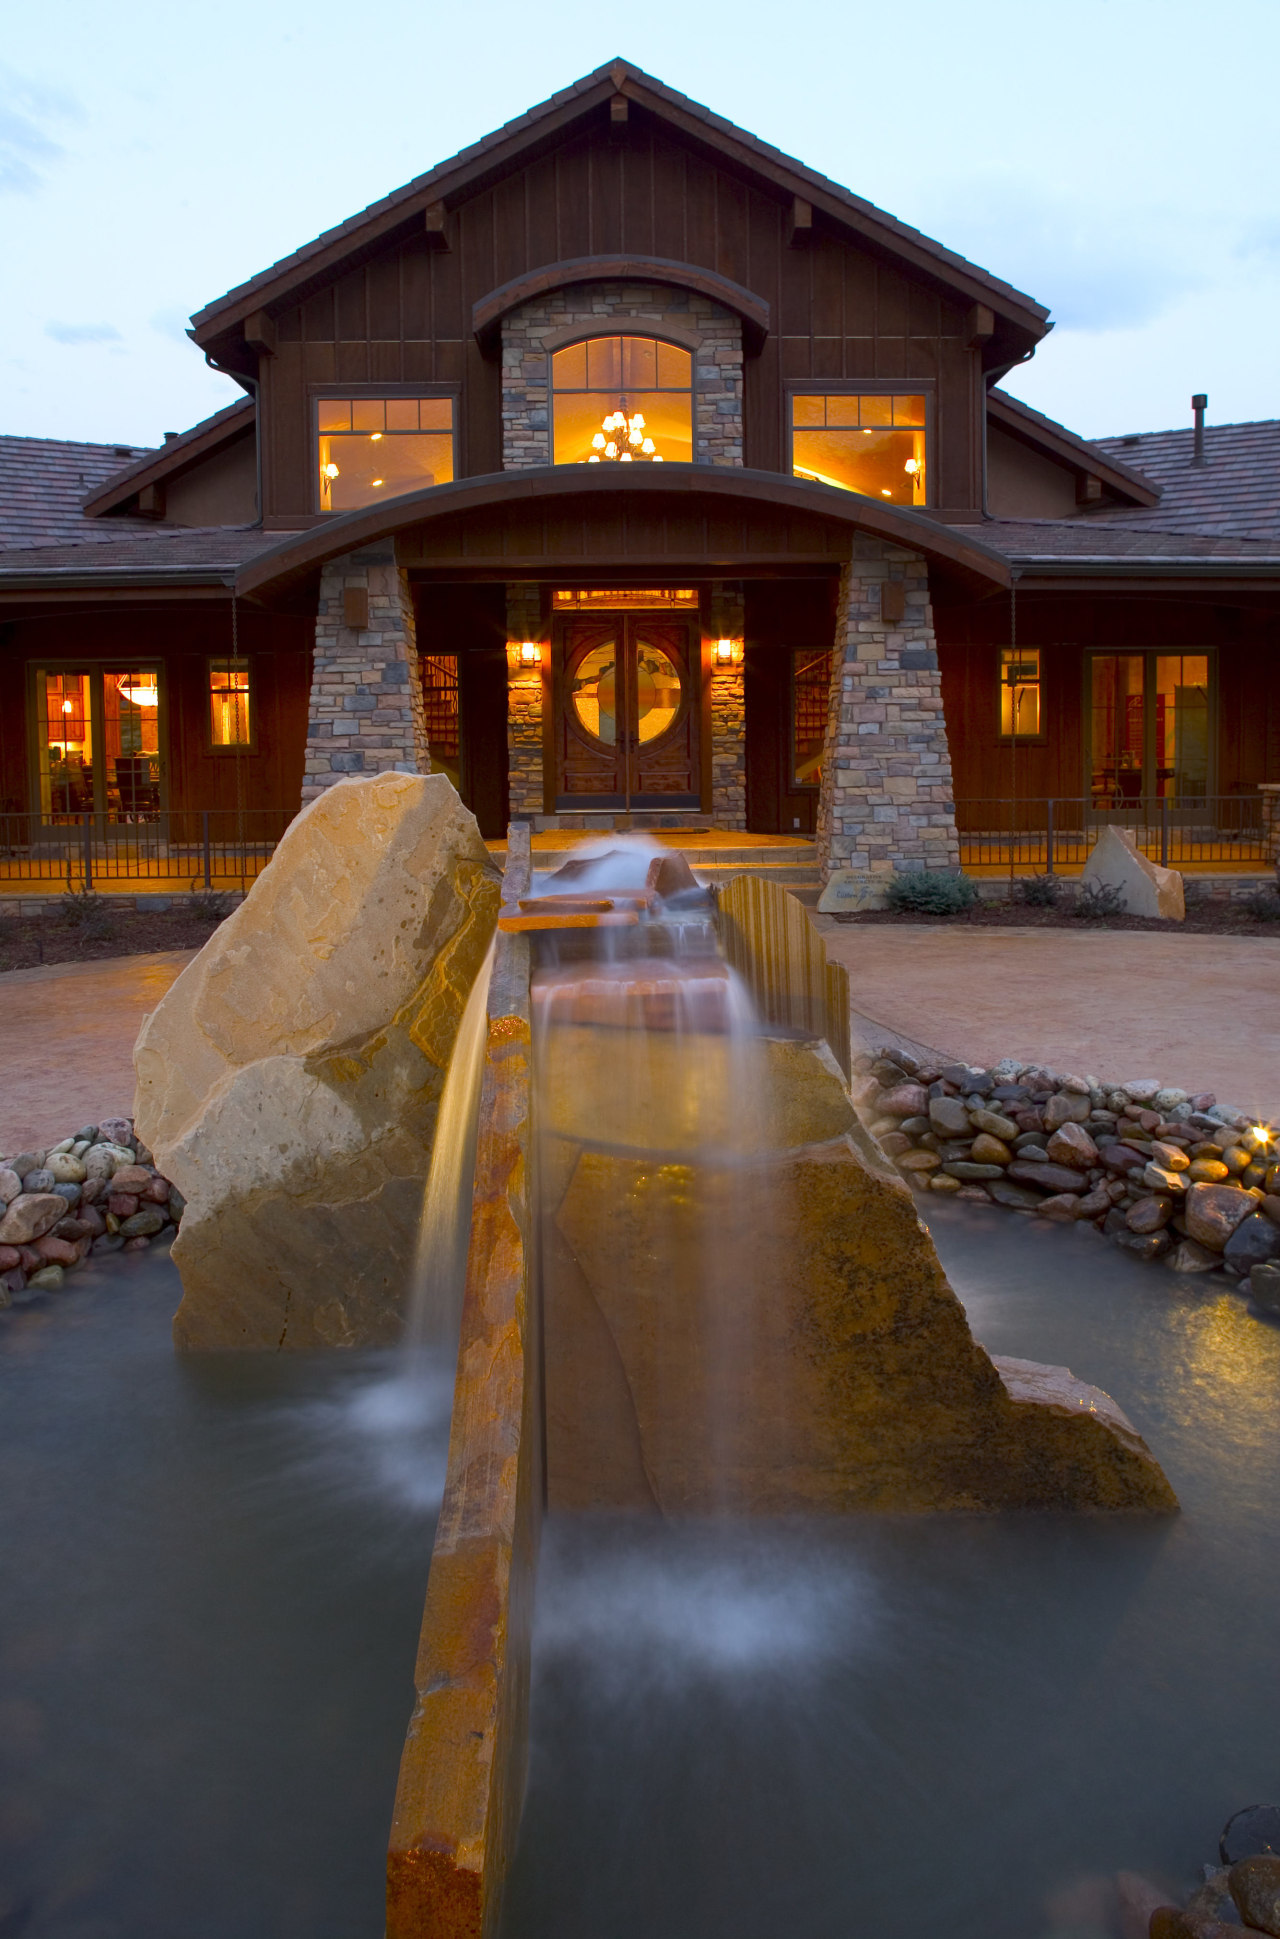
(594, 693)
(658, 691)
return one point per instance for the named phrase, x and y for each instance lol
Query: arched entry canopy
(722, 522)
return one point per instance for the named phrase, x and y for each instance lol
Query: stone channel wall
(531, 333)
(887, 801)
(462, 1774)
(366, 712)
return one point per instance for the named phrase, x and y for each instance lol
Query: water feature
(902, 1725)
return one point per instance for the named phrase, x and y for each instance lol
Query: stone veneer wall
(887, 795)
(714, 334)
(524, 702)
(366, 713)
(728, 713)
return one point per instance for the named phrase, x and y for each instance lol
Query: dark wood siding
(1244, 641)
(838, 311)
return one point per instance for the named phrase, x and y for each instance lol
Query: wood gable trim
(296, 276)
(488, 312)
(614, 494)
(1054, 441)
(178, 455)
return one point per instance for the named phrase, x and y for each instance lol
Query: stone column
(366, 714)
(1270, 792)
(524, 701)
(886, 804)
(728, 713)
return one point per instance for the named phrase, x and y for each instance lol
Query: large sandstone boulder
(1146, 888)
(289, 1080)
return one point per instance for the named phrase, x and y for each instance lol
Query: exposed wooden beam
(800, 221)
(980, 325)
(1088, 488)
(151, 501)
(434, 220)
(260, 333)
(618, 110)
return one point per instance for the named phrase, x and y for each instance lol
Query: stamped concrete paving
(66, 1042)
(1202, 1012)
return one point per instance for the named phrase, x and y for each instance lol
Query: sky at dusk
(1117, 159)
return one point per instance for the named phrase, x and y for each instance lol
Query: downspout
(988, 379)
(249, 384)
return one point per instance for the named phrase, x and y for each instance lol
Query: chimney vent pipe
(1199, 405)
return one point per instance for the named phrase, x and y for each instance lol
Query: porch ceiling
(701, 519)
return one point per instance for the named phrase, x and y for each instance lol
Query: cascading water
(440, 1260)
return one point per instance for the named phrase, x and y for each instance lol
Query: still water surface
(210, 1590)
(213, 1577)
(880, 1728)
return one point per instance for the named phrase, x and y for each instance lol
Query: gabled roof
(43, 482)
(1043, 434)
(1235, 493)
(317, 262)
(175, 455)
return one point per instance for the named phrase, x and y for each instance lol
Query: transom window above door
(871, 442)
(379, 447)
(616, 400)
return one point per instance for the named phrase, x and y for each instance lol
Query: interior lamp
(140, 695)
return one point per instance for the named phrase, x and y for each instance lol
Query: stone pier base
(366, 713)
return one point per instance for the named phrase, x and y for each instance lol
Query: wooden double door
(627, 711)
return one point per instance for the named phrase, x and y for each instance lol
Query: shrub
(210, 905)
(90, 916)
(1095, 901)
(1264, 906)
(931, 893)
(1039, 891)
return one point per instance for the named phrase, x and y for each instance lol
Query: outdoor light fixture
(529, 653)
(724, 652)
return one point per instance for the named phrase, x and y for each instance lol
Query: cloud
(27, 150)
(1108, 268)
(82, 332)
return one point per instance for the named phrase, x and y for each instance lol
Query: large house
(624, 467)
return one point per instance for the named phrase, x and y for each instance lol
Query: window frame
(95, 667)
(589, 334)
(1041, 735)
(926, 387)
(219, 749)
(1150, 655)
(316, 393)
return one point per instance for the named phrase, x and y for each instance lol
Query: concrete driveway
(1201, 1012)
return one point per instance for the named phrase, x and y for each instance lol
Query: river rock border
(95, 1192)
(1167, 1176)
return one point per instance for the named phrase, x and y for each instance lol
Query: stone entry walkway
(67, 1032)
(1201, 1012)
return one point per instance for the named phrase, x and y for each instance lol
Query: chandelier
(621, 439)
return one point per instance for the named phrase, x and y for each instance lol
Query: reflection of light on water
(696, 1605)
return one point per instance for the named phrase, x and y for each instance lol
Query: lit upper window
(619, 399)
(379, 447)
(871, 443)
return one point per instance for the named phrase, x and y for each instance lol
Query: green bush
(1039, 891)
(931, 892)
(210, 905)
(1098, 900)
(1265, 906)
(90, 917)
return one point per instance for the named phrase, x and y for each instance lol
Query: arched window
(619, 399)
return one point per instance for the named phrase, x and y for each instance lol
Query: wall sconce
(724, 652)
(530, 653)
(524, 656)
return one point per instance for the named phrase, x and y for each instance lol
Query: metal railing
(1046, 835)
(180, 849)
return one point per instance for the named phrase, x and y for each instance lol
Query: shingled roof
(1235, 493)
(42, 483)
